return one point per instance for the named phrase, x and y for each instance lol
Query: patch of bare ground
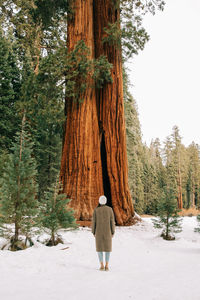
(190, 212)
(147, 216)
(84, 223)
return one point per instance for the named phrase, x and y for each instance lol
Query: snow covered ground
(142, 267)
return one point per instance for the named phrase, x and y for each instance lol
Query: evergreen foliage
(48, 72)
(134, 152)
(193, 177)
(133, 34)
(18, 188)
(129, 33)
(154, 176)
(150, 182)
(3, 160)
(197, 229)
(9, 92)
(39, 93)
(74, 68)
(37, 73)
(55, 214)
(167, 216)
(50, 11)
(43, 100)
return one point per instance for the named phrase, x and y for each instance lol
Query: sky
(165, 76)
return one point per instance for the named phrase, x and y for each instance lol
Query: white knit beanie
(102, 200)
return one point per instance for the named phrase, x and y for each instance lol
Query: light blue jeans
(107, 256)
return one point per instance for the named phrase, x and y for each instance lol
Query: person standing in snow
(103, 228)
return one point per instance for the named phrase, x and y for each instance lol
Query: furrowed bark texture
(81, 173)
(94, 159)
(111, 114)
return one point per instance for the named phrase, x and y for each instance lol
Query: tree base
(13, 245)
(57, 241)
(167, 237)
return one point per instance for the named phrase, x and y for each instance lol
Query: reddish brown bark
(111, 113)
(94, 159)
(81, 163)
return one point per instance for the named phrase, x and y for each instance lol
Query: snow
(143, 266)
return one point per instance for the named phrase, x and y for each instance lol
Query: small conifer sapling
(18, 189)
(55, 214)
(167, 216)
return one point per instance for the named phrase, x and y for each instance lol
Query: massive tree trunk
(94, 159)
(111, 114)
(81, 162)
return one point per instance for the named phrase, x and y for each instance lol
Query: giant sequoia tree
(94, 159)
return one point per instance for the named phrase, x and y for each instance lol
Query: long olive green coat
(103, 228)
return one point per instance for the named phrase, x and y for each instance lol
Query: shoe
(101, 269)
(106, 269)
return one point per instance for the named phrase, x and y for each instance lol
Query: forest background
(37, 72)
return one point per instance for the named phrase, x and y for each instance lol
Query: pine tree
(177, 165)
(178, 159)
(3, 160)
(9, 93)
(134, 148)
(18, 188)
(193, 176)
(39, 30)
(45, 108)
(167, 217)
(55, 214)
(170, 178)
(154, 177)
(150, 180)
